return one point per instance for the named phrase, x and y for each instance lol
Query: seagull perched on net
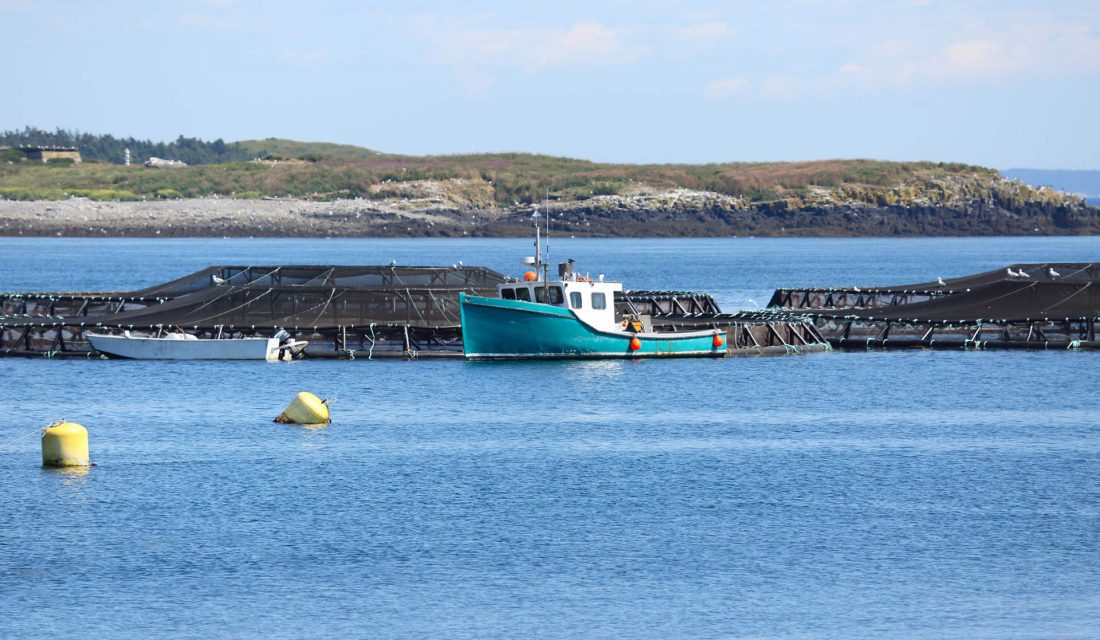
(217, 280)
(1052, 273)
(940, 282)
(1011, 273)
(393, 263)
(1024, 274)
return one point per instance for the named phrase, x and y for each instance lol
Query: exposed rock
(466, 207)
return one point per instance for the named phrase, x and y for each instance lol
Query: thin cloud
(531, 50)
(1007, 56)
(1037, 51)
(726, 87)
(702, 34)
(477, 54)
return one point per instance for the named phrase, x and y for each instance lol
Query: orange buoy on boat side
(718, 341)
(635, 344)
(530, 276)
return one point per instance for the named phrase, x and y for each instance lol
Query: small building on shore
(45, 154)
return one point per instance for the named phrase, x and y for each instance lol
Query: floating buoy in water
(65, 444)
(306, 408)
(530, 276)
(718, 341)
(635, 344)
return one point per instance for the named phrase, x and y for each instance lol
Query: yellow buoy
(65, 444)
(306, 408)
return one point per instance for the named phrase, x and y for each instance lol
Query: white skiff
(181, 346)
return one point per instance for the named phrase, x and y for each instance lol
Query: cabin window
(523, 294)
(575, 299)
(508, 294)
(599, 301)
(555, 295)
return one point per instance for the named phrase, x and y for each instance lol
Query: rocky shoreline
(676, 213)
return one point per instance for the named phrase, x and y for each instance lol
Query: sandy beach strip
(214, 217)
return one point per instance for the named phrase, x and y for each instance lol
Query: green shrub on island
(99, 195)
(18, 193)
(107, 195)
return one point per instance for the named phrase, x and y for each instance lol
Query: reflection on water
(72, 479)
(70, 473)
(600, 370)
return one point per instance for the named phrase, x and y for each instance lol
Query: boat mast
(546, 265)
(538, 242)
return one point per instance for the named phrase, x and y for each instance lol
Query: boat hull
(141, 348)
(497, 329)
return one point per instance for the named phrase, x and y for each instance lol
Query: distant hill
(1084, 183)
(294, 149)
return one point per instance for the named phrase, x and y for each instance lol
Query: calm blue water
(844, 495)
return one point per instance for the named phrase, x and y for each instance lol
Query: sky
(1006, 83)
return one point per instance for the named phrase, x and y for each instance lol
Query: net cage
(339, 305)
(1031, 305)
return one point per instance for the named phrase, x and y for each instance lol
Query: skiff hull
(146, 348)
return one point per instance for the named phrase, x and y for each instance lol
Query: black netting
(1017, 293)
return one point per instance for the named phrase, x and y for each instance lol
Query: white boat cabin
(591, 300)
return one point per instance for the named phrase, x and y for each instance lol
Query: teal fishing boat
(570, 317)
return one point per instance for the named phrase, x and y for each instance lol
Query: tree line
(107, 148)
